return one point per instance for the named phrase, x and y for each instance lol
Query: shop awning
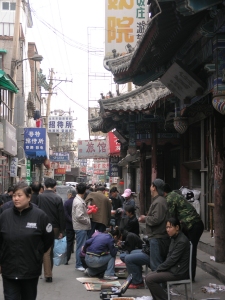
(37, 155)
(6, 83)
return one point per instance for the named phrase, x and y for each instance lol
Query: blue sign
(59, 156)
(113, 166)
(34, 140)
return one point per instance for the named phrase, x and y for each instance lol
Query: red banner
(60, 171)
(114, 146)
(99, 172)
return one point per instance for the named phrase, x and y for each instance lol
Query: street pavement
(66, 287)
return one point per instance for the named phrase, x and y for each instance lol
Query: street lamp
(36, 57)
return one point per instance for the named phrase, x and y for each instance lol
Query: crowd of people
(31, 217)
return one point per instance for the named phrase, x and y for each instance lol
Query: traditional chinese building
(183, 45)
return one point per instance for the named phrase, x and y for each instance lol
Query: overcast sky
(61, 31)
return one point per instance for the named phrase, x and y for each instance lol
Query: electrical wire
(73, 100)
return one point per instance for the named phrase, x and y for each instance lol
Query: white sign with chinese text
(125, 23)
(92, 149)
(101, 166)
(60, 123)
(13, 166)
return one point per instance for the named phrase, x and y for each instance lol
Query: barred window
(6, 105)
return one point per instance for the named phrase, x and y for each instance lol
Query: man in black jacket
(52, 205)
(8, 196)
(35, 187)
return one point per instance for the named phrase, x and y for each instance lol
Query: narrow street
(66, 287)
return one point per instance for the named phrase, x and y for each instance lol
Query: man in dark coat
(70, 233)
(52, 205)
(8, 196)
(117, 202)
(35, 187)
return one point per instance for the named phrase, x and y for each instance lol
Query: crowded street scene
(112, 121)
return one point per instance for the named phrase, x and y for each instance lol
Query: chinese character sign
(113, 166)
(101, 166)
(60, 123)
(92, 149)
(125, 23)
(13, 167)
(59, 157)
(28, 171)
(34, 139)
(113, 145)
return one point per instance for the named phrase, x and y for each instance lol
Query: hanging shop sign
(28, 171)
(113, 166)
(113, 145)
(13, 166)
(60, 171)
(59, 157)
(101, 166)
(35, 143)
(92, 149)
(60, 124)
(99, 172)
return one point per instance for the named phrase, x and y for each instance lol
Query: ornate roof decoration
(139, 99)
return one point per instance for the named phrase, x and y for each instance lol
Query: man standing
(35, 187)
(191, 223)
(70, 234)
(101, 219)
(156, 231)
(81, 222)
(52, 205)
(117, 202)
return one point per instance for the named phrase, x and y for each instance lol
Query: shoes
(80, 269)
(86, 273)
(66, 263)
(107, 277)
(136, 286)
(48, 279)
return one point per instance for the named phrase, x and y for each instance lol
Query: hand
(119, 210)
(142, 218)
(60, 236)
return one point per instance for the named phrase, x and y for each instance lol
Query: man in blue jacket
(70, 233)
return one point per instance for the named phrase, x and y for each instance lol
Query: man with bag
(52, 205)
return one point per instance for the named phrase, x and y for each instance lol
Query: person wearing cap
(117, 202)
(158, 238)
(191, 222)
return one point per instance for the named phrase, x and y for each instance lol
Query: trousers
(48, 257)
(20, 289)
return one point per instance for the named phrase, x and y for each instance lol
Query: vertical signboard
(113, 166)
(13, 166)
(28, 171)
(125, 23)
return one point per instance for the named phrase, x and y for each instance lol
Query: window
(6, 105)
(1, 61)
(8, 5)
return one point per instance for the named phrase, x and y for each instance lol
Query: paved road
(66, 287)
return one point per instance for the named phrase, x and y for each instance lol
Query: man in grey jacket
(81, 222)
(156, 231)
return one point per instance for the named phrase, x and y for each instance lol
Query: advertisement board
(60, 124)
(59, 157)
(125, 22)
(9, 137)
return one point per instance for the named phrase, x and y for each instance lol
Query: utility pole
(49, 97)
(15, 46)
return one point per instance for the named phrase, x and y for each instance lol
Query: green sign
(28, 171)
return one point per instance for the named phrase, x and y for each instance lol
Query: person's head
(21, 196)
(116, 234)
(101, 189)
(35, 187)
(81, 188)
(127, 194)
(172, 226)
(129, 210)
(10, 190)
(114, 192)
(156, 187)
(71, 193)
(1, 202)
(50, 183)
(41, 189)
(167, 189)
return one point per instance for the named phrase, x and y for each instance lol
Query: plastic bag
(60, 252)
